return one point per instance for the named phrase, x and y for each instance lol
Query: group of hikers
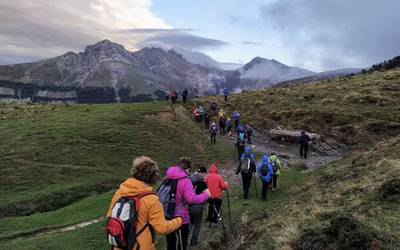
(173, 95)
(137, 213)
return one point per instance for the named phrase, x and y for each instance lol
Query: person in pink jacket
(185, 195)
(216, 185)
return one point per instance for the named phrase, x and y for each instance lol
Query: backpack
(241, 143)
(275, 166)
(167, 194)
(214, 129)
(246, 165)
(264, 170)
(121, 226)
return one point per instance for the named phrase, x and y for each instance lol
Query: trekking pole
(229, 207)
(255, 182)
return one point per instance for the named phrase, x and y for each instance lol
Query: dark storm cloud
(337, 33)
(176, 38)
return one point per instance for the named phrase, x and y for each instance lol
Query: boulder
(290, 135)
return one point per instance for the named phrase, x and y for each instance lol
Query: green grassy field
(60, 165)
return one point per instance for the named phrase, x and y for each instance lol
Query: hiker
(202, 113)
(276, 167)
(246, 168)
(213, 132)
(185, 95)
(196, 210)
(221, 113)
(228, 126)
(240, 130)
(185, 195)
(174, 96)
(240, 144)
(150, 214)
(222, 123)
(249, 133)
(236, 118)
(226, 94)
(213, 106)
(265, 172)
(196, 115)
(216, 185)
(167, 95)
(304, 141)
(207, 121)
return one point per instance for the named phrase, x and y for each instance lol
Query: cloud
(252, 43)
(32, 30)
(180, 38)
(336, 33)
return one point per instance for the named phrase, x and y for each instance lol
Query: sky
(314, 34)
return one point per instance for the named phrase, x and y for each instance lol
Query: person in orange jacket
(216, 185)
(144, 176)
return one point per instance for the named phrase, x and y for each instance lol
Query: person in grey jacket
(196, 211)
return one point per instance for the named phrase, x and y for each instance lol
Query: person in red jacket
(216, 186)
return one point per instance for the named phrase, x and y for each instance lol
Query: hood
(174, 173)
(265, 159)
(132, 187)
(247, 150)
(213, 169)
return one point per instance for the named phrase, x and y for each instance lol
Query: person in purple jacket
(185, 195)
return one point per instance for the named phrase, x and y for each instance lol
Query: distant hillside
(266, 73)
(321, 76)
(107, 72)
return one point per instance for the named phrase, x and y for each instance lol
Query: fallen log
(290, 136)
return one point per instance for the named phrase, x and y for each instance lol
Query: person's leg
(301, 151)
(218, 204)
(185, 236)
(275, 181)
(305, 151)
(172, 240)
(211, 137)
(198, 215)
(264, 190)
(210, 210)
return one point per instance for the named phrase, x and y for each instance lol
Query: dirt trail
(51, 230)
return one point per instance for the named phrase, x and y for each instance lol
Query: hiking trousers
(264, 191)
(213, 136)
(196, 215)
(274, 181)
(178, 237)
(213, 204)
(249, 139)
(226, 98)
(246, 180)
(303, 151)
(240, 152)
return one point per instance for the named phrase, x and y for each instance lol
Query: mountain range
(107, 72)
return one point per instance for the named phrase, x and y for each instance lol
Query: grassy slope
(362, 111)
(60, 154)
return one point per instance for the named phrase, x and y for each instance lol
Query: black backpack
(264, 170)
(274, 166)
(121, 226)
(167, 194)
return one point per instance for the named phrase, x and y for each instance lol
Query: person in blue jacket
(226, 94)
(265, 172)
(236, 118)
(240, 129)
(246, 167)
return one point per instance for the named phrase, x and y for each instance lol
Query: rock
(290, 136)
